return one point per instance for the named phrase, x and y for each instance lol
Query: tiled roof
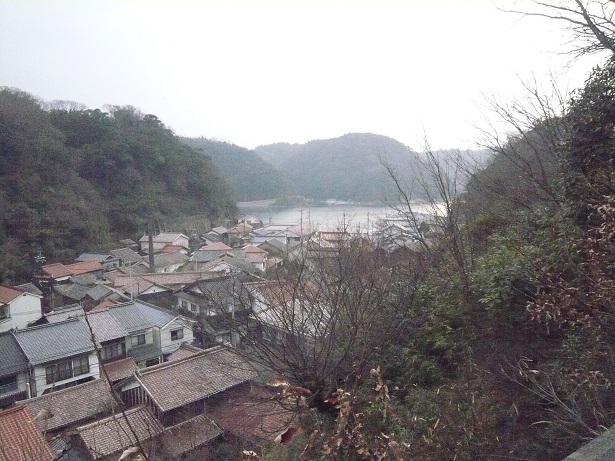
(220, 230)
(99, 292)
(30, 288)
(186, 436)
(100, 257)
(126, 255)
(169, 259)
(12, 358)
(178, 383)
(54, 341)
(56, 270)
(20, 439)
(64, 313)
(106, 304)
(184, 351)
(72, 405)
(8, 294)
(105, 326)
(172, 248)
(155, 315)
(84, 267)
(73, 291)
(163, 237)
(130, 317)
(145, 352)
(88, 278)
(173, 280)
(120, 369)
(253, 249)
(113, 434)
(256, 414)
(218, 246)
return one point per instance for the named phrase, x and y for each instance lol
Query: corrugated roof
(174, 384)
(163, 237)
(218, 246)
(65, 312)
(105, 326)
(100, 257)
(112, 435)
(73, 405)
(73, 291)
(145, 352)
(30, 288)
(99, 292)
(54, 341)
(12, 358)
(20, 439)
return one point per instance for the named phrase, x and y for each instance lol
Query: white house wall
(40, 376)
(167, 344)
(24, 309)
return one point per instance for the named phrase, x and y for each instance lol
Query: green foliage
(344, 168)
(73, 180)
(248, 175)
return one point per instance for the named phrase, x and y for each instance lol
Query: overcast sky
(256, 72)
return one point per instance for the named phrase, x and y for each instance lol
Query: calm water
(353, 217)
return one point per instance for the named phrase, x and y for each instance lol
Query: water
(352, 217)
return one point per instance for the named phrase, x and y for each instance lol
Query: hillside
(73, 179)
(249, 176)
(344, 168)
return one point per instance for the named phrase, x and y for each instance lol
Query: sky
(259, 72)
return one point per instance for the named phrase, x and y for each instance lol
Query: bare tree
(590, 22)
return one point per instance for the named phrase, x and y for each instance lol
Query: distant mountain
(346, 168)
(250, 177)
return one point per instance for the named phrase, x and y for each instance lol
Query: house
(127, 256)
(163, 239)
(177, 391)
(208, 253)
(108, 261)
(18, 308)
(106, 439)
(255, 256)
(239, 234)
(252, 221)
(60, 355)
(68, 407)
(14, 371)
(20, 438)
(166, 262)
(171, 330)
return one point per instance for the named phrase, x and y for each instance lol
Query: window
(67, 369)
(177, 334)
(194, 307)
(5, 312)
(112, 351)
(184, 304)
(138, 340)
(81, 365)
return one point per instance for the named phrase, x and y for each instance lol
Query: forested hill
(73, 179)
(344, 168)
(250, 177)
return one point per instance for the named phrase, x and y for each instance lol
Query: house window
(194, 307)
(112, 351)
(67, 369)
(184, 304)
(5, 312)
(177, 334)
(81, 365)
(138, 340)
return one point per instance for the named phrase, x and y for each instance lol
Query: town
(163, 347)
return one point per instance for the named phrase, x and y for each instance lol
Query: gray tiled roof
(130, 317)
(156, 316)
(99, 292)
(126, 255)
(145, 352)
(178, 383)
(12, 358)
(70, 311)
(74, 291)
(105, 326)
(112, 435)
(54, 341)
(188, 435)
(30, 288)
(72, 405)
